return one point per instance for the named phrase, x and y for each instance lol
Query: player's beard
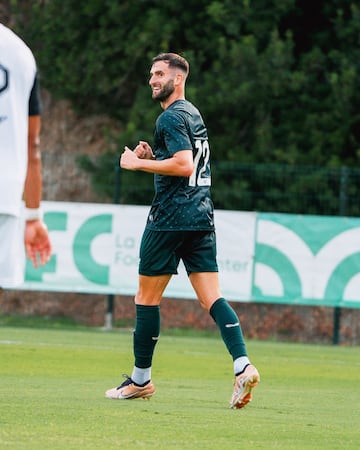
(164, 92)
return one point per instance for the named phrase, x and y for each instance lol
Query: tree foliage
(277, 81)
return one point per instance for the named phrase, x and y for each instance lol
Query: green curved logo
(282, 266)
(290, 267)
(87, 266)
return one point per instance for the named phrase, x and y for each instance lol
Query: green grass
(52, 384)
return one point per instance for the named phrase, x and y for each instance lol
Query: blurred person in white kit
(20, 161)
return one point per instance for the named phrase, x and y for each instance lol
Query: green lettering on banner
(90, 269)
(55, 221)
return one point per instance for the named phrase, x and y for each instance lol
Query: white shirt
(17, 76)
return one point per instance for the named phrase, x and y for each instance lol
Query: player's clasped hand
(130, 159)
(144, 151)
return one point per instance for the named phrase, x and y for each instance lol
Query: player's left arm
(144, 151)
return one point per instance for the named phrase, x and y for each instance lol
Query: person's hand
(37, 242)
(129, 160)
(144, 151)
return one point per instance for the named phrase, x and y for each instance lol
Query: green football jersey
(182, 203)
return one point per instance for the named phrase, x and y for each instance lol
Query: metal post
(342, 212)
(110, 300)
(343, 191)
(109, 312)
(336, 329)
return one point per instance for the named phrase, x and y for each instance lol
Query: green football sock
(229, 325)
(146, 334)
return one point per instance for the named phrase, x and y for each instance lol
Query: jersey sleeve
(35, 106)
(175, 133)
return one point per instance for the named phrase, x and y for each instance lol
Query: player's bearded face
(164, 92)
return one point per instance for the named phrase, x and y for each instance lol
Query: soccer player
(20, 161)
(180, 226)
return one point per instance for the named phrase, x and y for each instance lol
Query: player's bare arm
(33, 181)
(179, 165)
(36, 237)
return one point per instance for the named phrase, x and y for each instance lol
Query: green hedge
(277, 81)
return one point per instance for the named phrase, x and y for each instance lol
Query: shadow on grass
(39, 322)
(67, 323)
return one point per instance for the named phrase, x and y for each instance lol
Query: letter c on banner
(90, 269)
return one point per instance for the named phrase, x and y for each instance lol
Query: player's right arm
(33, 182)
(36, 237)
(181, 164)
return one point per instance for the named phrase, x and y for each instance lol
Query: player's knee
(146, 299)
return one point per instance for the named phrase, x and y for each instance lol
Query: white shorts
(12, 251)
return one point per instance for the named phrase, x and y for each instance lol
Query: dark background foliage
(277, 82)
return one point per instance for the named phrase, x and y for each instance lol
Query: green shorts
(161, 252)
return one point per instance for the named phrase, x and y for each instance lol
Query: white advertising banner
(96, 250)
(307, 260)
(274, 258)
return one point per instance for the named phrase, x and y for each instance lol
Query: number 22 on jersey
(201, 173)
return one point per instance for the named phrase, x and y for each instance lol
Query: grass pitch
(52, 384)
